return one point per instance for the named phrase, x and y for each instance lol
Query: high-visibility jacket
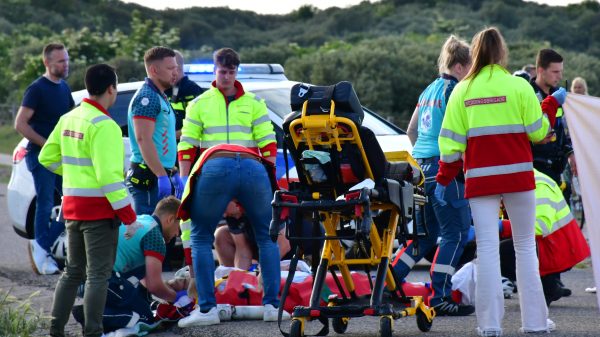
(86, 148)
(496, 114)
(186, 200)
(211, 119)
(561, 245)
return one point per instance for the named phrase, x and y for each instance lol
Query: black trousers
(550, 283)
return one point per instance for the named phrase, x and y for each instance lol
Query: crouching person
(137, 273)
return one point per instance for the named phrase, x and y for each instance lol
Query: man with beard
(44, 102)
(151, 123)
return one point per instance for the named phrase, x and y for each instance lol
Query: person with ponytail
(490, 118)
(449, 219)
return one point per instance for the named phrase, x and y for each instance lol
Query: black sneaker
(566, 292)
(450, 308)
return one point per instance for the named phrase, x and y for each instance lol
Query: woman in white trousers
(490, 119)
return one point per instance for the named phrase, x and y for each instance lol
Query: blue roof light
(199, 68)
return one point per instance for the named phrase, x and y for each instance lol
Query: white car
(265, 80)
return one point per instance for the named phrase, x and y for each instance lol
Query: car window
(119, 110)
(278, 101)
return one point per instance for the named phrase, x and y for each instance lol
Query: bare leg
(243, 251)
(225, 246)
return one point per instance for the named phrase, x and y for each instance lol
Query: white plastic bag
(464, 281)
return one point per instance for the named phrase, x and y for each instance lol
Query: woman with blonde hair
(579, 86)
(449, 219)
(490, 118)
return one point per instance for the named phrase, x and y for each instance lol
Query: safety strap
(284, 293)
(285, 159)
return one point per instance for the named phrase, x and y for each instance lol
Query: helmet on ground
(59, 247)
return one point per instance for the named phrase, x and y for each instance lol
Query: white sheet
(583, 117)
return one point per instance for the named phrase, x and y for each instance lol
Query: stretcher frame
(387, 299)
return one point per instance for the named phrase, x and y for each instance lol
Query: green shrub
(19, 319)
(10, 138)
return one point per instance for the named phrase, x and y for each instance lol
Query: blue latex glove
(164, 187)
(180, 294)
(560, 95)
(178, 185)
(184, 180)
(440, 190)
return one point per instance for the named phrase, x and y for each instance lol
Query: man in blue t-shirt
(151, 122)
(44, 102)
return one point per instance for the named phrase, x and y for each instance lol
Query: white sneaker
(197, 318)
(489, 332)
(270, 314)
(550, 326)
(41, 261)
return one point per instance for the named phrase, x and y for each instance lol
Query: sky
(278, 6)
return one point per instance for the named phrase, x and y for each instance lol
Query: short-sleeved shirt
(151, 104)
(432, 106)
(48, 100)
(147, 241)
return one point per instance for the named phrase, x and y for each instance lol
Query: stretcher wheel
(296, 328)
(422, 322)
(340, 324)
(385, 326)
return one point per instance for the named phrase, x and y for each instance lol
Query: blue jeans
(221, 180)
(46, 230)
(144, 201)
(450, 222)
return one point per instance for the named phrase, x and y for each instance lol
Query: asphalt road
(577, 315)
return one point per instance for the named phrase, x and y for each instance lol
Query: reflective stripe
(121, 203)
(450, 158)
(261, 120)
(190, 140)
(265, 138)
(498, 170)
(222, 129)
(53, 167)
(446, 133)
(76, 161)
(134, 281)
(246, 143)
(113, 187)
(562, 222)
(557, 205)
(82, 192)
(443, 268)
(99, 119)
(543, 226)
(193, 121)
(407, 260)
(534, 126)
(495, 130)
(186, 243)
(544, 179)
(186, 226)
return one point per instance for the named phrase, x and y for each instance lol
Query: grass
(5, 173)
(9, 138)
(17, 318)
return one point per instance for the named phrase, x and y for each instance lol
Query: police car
(267, 81)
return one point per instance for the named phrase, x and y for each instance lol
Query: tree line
(387, 49)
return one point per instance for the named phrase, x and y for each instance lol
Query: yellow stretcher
(371, 217)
